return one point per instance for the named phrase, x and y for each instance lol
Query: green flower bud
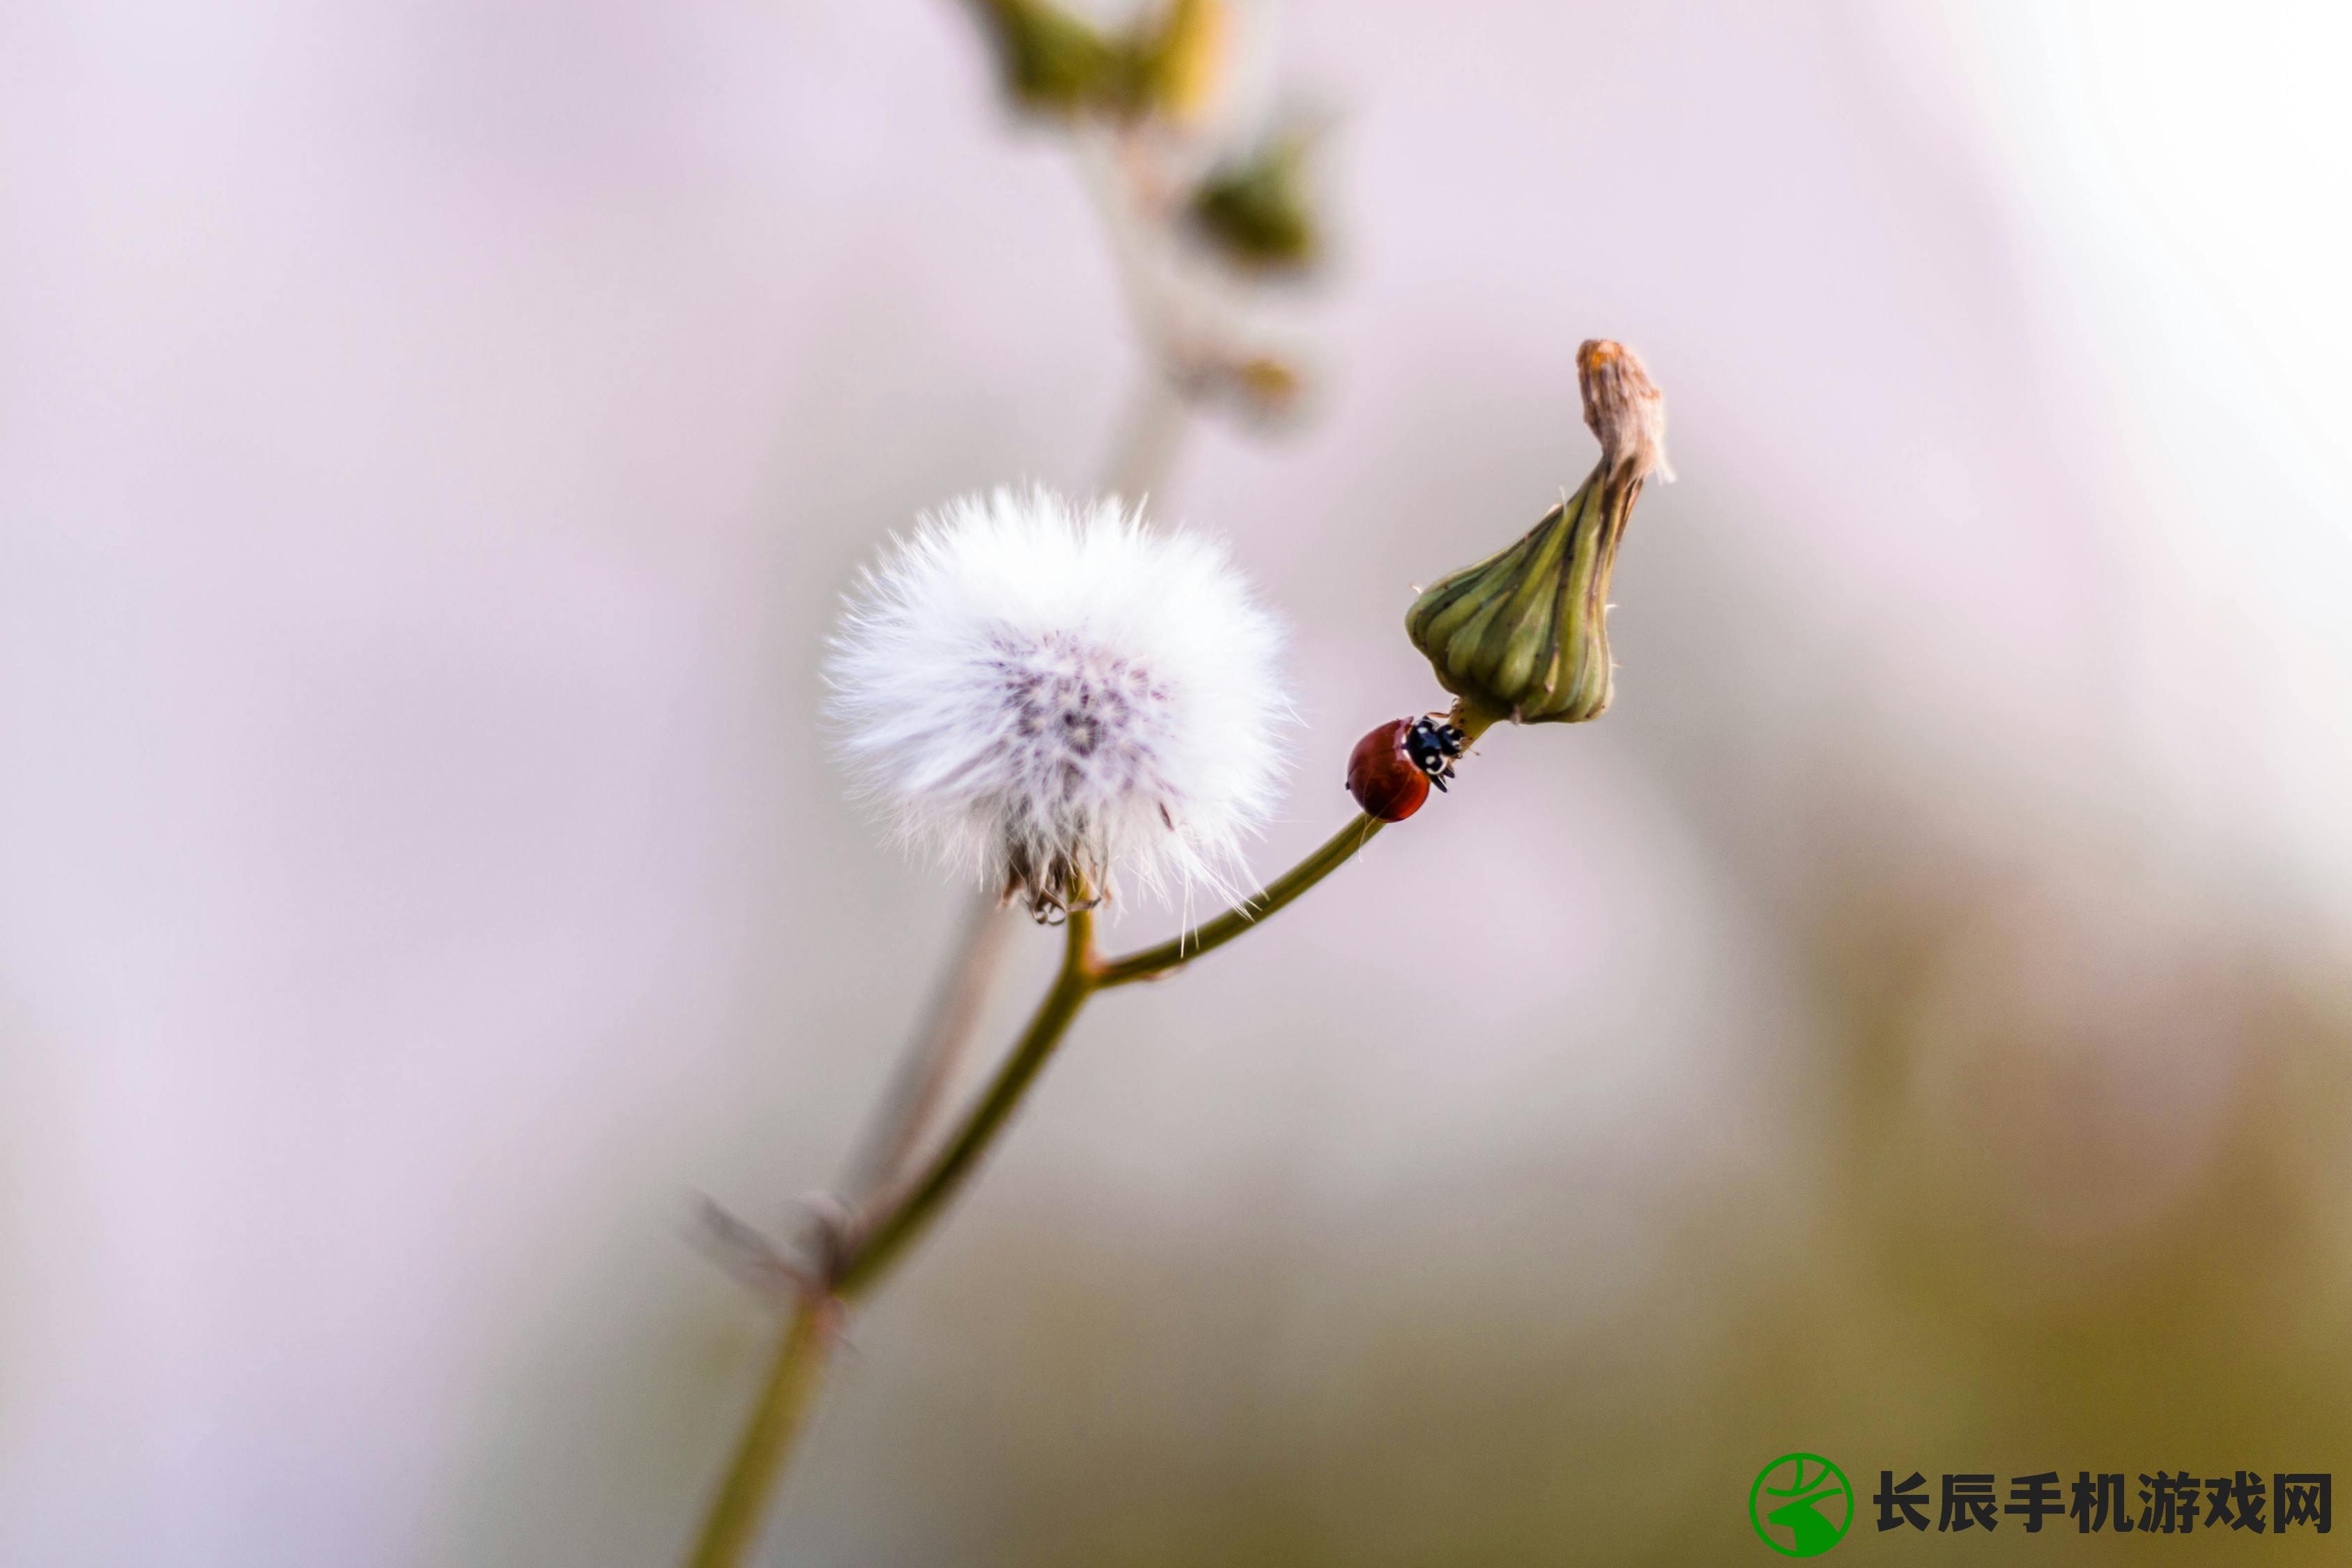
(1053, 62)
(1524, 635)
(1256, 211)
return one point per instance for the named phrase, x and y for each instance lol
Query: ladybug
(1392, 768)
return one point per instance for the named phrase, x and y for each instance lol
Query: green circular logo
(1800, 1505)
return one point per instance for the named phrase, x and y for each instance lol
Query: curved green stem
(1185, 946)
(731, 1529)
(899, 1220)
(902, 1217)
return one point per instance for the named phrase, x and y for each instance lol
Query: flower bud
(1524, 635)
(1053, 62)
(1256, 212)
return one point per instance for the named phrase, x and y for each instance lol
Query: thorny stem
(873, 1240)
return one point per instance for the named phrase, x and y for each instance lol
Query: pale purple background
(433, 438)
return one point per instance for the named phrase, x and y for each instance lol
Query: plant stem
(732, 1526)
(928, 1066)
(896, 1224)
(901, 1218)
(1186, 946)
(1150, 435)
(730, 1530)
(875, 1243)
(1143, 455)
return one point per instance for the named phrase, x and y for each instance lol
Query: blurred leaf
(1256, 212)
(1053, 62)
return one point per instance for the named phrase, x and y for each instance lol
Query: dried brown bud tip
(1624, 408)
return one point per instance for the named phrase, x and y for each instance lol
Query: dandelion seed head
(1044, 694)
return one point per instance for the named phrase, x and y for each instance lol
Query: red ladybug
(1392, 768)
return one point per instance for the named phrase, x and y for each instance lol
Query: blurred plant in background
(1194, 226)
(1198, 217)
(1060, 611)
(1056, 696)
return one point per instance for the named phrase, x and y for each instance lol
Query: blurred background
(1912, 1027)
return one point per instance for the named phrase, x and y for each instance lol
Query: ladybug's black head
(1433, 744)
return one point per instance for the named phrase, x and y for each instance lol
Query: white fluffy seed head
(1054, 697)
